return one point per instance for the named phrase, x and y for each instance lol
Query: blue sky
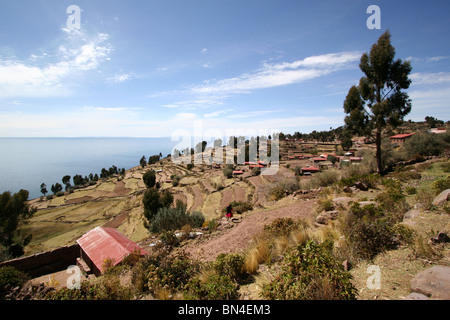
(146, 68)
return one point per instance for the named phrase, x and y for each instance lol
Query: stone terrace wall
(46, 262)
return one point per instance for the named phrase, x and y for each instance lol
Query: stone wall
(46, 262)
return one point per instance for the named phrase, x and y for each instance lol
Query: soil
(238, 237)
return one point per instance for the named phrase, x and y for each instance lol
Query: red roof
(319, 159)
(102, 243)
(238, 172)
(310, 169)
(402, 136)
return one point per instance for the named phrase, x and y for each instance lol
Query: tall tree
(14, 210)
(378, 101)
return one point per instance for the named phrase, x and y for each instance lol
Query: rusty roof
(102, 243)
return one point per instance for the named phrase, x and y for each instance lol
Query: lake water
(26, 163)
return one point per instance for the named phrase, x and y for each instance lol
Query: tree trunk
(378, 143)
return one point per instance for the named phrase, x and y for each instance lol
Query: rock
(441, 237)
(347, 189)
(368, 203)
(325, 216)
(411, 214)
(433, 282)
(442, 198)
(416, 296)
(343, 202)
(347, 265)
(361, 186)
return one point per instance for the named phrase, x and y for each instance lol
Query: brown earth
(237, 238)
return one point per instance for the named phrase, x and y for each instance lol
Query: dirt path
(198, 197)
(237, 238)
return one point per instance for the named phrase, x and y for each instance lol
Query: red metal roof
(102, 243)
(402, 136)
(310, 169)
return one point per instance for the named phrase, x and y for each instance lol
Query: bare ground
(237, 238)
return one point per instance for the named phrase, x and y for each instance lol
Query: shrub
(149, 178)
(239, 207)
(11, 276)
(103, 288)
(425, 144)
(169, 219)
(441, 185)
(369, 231)
(227, 172)
(425, 198)
(214, 287)
(324, 179)
(231, 265)
(281, 227)
(284, 187)
(171, 272)
(310, 272)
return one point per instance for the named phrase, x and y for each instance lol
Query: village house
(400, 138)
(105, 244)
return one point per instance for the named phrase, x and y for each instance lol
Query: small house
(309, 170)
(106, 244)
(238, 172)
(401, 138)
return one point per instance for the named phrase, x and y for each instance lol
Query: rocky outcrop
(442, 198)
(433, 283)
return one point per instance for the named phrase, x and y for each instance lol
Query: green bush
(230, 265)
(425, 144)
(170, 272)
(169, 219)
(369, 230)
(215, 287)
(281, 227)
(324, 179)
(11, 276)
(441, 185)
(103, 288)
(239, 207)
(310, 272)
(227, 172)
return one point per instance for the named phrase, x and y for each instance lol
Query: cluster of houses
(323, 161)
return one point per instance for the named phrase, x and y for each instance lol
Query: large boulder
(433, 282)
(442, 198)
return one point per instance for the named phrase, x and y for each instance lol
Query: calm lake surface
(25, 163)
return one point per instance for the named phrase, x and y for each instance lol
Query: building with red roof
(102, 244)
(401, 138)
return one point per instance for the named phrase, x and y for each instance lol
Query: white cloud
(119, 78)
(79, 53)
(430, 78)
(285, 73)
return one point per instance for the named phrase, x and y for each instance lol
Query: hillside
(117, 202)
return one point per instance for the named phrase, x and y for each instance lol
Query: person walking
(229, 212)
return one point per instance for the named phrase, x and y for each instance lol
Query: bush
(227, 172)
(169, 219)
(310, 272)
(369, 231)
(283, 188)
(425, 198)
(11, 276)
(324, 179)
(214, 287)
(171, 272)
(149, 178)
(231, 265)
(103, 288)
(441, 185)
(425, 144)
(239, 207)
(281, 227)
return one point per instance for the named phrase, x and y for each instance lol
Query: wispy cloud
(119, 78)
(419, 78)
(78, 53)
(280, 74)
